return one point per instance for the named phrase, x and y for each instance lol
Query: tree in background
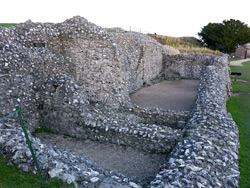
(225, 36)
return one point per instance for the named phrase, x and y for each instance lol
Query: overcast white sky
(167, 17)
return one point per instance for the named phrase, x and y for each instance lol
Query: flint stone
(134, 185)
(68, 178)
(54, 172)
(94, 179)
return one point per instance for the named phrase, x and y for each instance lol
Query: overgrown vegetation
(184, 44)
(11, 177)
(7, 24)
(239, 107)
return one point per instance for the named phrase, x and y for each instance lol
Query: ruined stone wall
(207, 156)
(75, 78)
(105, 66)
(143, 57)
(188, 66)
(77, 48)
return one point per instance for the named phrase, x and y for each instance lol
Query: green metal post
(18, 109)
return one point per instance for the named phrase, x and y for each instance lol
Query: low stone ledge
(147, 137)
(171, 118)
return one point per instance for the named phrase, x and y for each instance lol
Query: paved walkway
(169, 95)
(239, 62)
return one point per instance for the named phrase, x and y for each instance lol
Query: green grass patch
(12, 177)
(7, 24)
(235, 59)
(239, 107)
(238, 86)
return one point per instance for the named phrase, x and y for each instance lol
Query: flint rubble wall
(75, 78)
(143, 56)
(188, 66)
(207, 156)
(105, 67)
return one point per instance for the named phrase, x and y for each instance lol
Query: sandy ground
(135, 164)
(169, 95)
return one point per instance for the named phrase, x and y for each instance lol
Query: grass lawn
(239, 107)
(11, 177)
(235, 59)
(242, 87)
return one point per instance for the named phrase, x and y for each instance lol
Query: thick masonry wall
(40, 61)
(207, 156)
(188, 66)
(70, 76)
(143, 58)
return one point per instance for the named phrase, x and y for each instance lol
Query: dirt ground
(169, 95)
(135, 164)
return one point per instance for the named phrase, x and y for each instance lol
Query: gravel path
(135, 164)
(169, 95)
(239, 62)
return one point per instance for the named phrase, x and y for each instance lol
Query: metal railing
(18, 112)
